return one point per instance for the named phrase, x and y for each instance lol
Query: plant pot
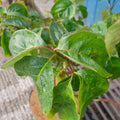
(36, 108)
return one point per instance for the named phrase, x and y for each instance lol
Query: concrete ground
(43, 5)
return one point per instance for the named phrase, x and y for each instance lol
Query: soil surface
(36, 109)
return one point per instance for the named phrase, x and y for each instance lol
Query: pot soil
(36, 108)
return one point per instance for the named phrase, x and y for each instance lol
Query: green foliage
(16, 22)
(75, 82)
(2, 10)
(99, 27)
(51, 50)
(112, 39)
(63, 9)
(70, 25)
(113, 67)
(64, 102)
(45, 36)
(56, 31)
(85, 48)
(83, 11)
(91, 86)
(41, 71)
(20, 45)
(22, 40)
(5, 42)
(17, 9)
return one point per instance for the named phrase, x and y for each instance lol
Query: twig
(112, 5)
(55, 82)
(70, 67)
(106, 100)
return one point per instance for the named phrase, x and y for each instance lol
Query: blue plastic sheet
(95, 7)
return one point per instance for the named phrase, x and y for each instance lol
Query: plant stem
(106, 100)
(70, 67)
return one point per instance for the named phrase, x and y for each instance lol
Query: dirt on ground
(36, 109)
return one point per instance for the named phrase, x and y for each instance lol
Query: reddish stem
(70, 67)
(49, 47)
(110, 101)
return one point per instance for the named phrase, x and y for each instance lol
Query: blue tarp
(95, 8)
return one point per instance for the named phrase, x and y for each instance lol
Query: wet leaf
(63, 9)
(85, 48)
(5, 42)
(112, 39)
(91, 86)
(56, 31)
(16, 22)
(40, 69)
(17, 9)
(70, 25)
(113, 67)
(21, 44)
(63, 102)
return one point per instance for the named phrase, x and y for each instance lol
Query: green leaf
(75, 82)
(80, 2)
(83, 11)
(112, 38)
(33, 15)
(56, 31)
(17, 9)
(16, 22)
(106, 15)
(35, 20)
(99, 27)
(63, 9)
(21, 44)
(45, 52)
(5, 42)
(91, 86)
(24, 39)
(113, 67)
(85, 48)
(40, 69)
(45, 36)
(2, 10)
(70, 25)
(64, 102)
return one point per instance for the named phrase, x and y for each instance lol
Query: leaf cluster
(61, 55)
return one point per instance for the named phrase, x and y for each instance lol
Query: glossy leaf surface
(40, 69)
(21, 44)
(16, 22)
(70, 25)
(83, 11)
(112, 38)
(79, 2)
(56, 31)
(45, 36)
(17, 9)
(113, 67)
(63, 9)
(85, 48)
(64, 102)
(5, 42)
(75, 82)
(2, 10)
(99, 27)
(91, 86)
(24, 39)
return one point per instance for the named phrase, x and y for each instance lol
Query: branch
(106, 100)
(112, 5)
(70, 67)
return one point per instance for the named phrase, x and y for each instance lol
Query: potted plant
(61, 55)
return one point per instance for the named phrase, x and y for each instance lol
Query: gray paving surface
(43, 6)
(14, 94)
